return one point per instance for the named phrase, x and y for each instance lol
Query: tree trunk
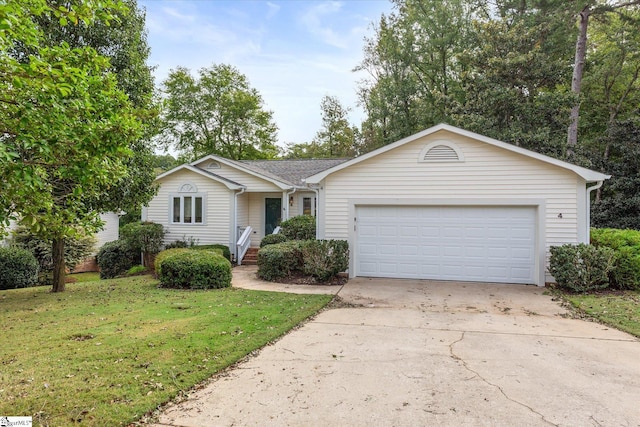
(58, 265)
(576, 80)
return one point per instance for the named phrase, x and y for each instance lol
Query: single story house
(444, 204)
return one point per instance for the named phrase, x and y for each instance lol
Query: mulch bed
(302, 279)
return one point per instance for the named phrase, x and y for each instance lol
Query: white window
(308, 205)
(188, 207)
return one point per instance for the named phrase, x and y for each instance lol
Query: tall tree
(591, 8)
(67, 129)
(217, 112)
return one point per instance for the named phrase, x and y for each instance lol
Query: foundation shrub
(301, 227)
(164, 255)
(195, 269)
(272, 239)
(18, 268)
(626, 244)
(279, 260)
(223, 249)
(324, 259)
(581, 268)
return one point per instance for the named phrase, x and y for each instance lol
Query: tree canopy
(67, 128)
(217, 112)
(534, 73)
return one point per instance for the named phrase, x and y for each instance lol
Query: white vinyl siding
(487, 173)
(217, 209)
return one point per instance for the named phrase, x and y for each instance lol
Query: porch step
(251, 257)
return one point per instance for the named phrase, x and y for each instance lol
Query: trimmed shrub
(614, 238)
(76, 250)
(164, 255)
(324, 259)
(272, 239)
(116, 258)
(301, 227)
(279, 260)
(581, 268)
(626, 270)
(145, 237)
(18, 268)
(224, 249)
(626, 243)
(190, 269)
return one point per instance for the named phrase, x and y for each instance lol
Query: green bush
(136, 269)
(626, 243)
(272, 239)
(144, 237)
(203, 269)
(279, 260)
(224, 249)
(581, 268)
(301, 227)
(164, 255)
(76, 250)
(116, 258)
(614, 238)
(18, 268)
(626, 269)
(324, 259)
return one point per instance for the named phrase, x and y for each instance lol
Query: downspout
(316, 189)
(589, 190)
(235, 222)
(289, 193)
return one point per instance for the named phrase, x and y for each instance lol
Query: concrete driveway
(424, 353)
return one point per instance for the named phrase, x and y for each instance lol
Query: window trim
(314, 203)
(182, 196)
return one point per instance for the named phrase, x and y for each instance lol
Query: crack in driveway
(476, 373)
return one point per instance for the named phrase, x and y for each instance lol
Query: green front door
(272, 214)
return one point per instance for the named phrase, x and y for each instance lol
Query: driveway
(424, 353)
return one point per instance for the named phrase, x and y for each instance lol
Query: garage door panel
(448, 243)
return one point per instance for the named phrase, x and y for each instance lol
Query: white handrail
(276, 230)
(243, 243)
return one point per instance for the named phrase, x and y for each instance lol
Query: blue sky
(293, 52)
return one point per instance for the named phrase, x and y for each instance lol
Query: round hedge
(157, 263)
(202, 269)
(18, 268)
(116, 258)
(272, 239)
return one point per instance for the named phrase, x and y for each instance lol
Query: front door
(272, 214)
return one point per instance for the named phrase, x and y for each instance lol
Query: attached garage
(449, 204)
(469, 243)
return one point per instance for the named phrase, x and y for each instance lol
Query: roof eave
(229, 185)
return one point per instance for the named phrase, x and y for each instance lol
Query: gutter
(589, 190)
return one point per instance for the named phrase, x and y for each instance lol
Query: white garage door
(481, 244)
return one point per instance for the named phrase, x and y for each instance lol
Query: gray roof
(291, 171)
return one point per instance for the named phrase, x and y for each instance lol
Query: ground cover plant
(105, 353)
(620, 310)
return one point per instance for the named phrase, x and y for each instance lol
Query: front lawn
(104, 353)
(620, 310)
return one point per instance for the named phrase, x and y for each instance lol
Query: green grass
(85, 277)
(105, 353)
(619, 310)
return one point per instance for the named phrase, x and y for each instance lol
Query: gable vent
(441, 151)
(212, 165)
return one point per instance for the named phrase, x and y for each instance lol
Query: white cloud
(273, 9)
(313, 21)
